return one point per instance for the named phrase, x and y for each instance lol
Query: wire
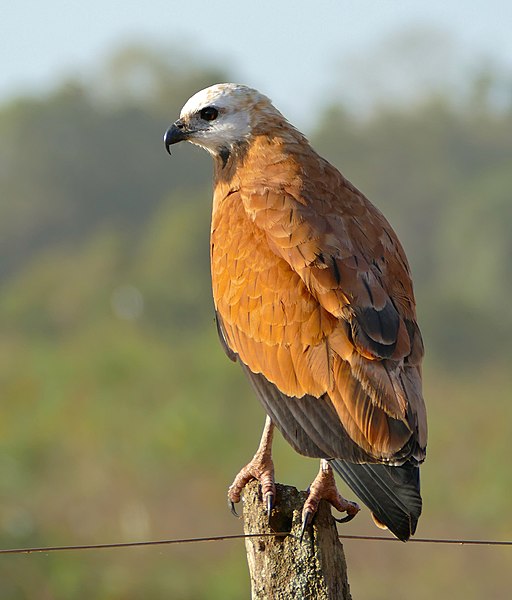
(216, 538)
(220, 538)
(430, 540)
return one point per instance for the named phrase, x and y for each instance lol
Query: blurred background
(121, 419)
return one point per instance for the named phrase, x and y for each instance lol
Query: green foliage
(54, 184)
(122, 418)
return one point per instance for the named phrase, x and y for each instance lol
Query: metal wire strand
(222, 538)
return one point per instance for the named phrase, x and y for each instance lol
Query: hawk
(314, 298)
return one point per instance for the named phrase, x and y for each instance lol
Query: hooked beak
(177, 132)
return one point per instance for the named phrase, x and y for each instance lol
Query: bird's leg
(261, 468)
(324, 488)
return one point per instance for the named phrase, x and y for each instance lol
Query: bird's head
(220, 118)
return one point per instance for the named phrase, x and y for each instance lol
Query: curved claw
(232, 508)
(270, 505)
(307, 517)
(345, 519)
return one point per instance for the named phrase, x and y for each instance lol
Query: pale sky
(293, 51)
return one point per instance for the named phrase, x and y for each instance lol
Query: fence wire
(222, 538)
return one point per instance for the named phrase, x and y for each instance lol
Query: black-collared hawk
(313, 297)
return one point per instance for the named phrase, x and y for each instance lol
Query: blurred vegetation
(121, 417)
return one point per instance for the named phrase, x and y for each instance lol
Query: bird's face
(217, 118)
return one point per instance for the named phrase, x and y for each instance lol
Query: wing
(313, 292)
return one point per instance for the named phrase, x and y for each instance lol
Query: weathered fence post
(283, 568)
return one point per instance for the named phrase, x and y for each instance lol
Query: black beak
(177, 132)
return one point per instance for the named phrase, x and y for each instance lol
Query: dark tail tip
(391, 493)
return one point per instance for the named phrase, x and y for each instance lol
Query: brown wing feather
(314, 293)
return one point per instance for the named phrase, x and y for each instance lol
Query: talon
(232, 508)
(270, 505)
(306, 520)
(344, 519)
(352, 509)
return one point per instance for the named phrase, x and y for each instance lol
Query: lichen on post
(283, 567)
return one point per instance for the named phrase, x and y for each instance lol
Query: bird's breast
(269, 316)
(251, 284)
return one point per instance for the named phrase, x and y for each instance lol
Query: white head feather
(234, 103)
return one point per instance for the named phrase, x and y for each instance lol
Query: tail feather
(391, 493)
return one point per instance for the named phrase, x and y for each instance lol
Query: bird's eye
(209, 113)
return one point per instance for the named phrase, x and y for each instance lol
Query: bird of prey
(313, 297)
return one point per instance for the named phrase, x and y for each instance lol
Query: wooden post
(283, 568)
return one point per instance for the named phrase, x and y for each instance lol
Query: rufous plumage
(314, 298)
